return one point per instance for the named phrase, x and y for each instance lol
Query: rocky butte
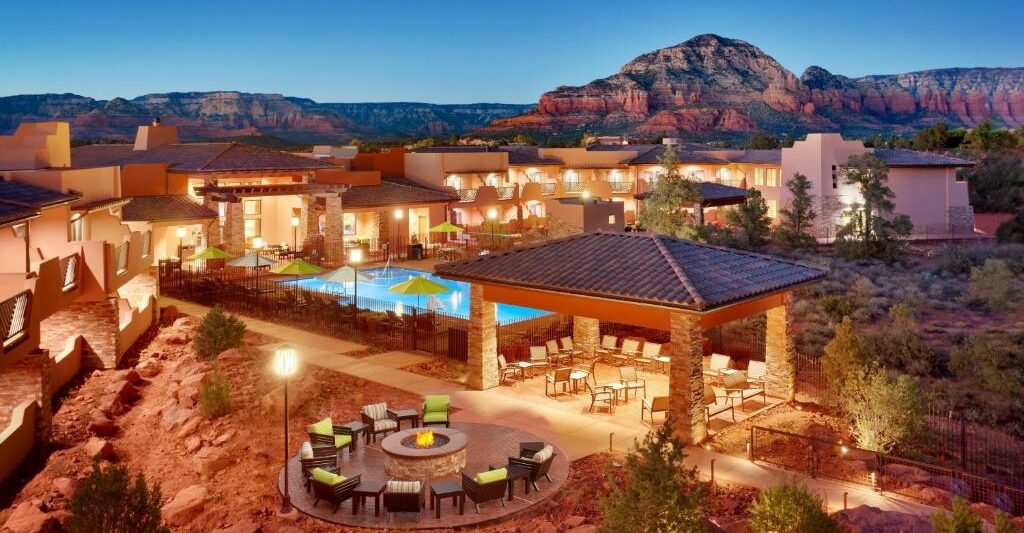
(713, 85)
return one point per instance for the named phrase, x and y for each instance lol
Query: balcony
(621, 187)
(14, 320)
(487, 195)
(466, 195)
(574, 187)
(548, 188)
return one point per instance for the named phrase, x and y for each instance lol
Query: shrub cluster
(219, 331)
(107, 500)
(215, 395)
(790, 508)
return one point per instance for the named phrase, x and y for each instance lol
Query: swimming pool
(455, 302)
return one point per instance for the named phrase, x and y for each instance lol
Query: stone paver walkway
(577, 434)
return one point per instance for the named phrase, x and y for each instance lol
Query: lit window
(611, 219)
(724, 174)
(535, 176)
(454, 182)
(696, 174)
(759, 177)
(772, 178)
(572, 176)
(349, 223)
(77, 229)
(252, 207)
(253, 228)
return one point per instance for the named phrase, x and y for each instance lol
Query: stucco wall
(18, 438)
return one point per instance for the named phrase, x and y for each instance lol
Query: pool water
(455, 302)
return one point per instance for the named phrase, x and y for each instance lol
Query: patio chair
(712, 406)
(555, 377)
(435, 410)
(717, 363)
(325, 433)
(555, 355)
(569, 348)
(539, 357)
(648, 357)
(738, 388)
(486, 486)
(600, 393)
(311, 457)
(504, 370)
(757, 372)
(658, 404)
(609, 344)
(330, 485)
(630, 349)
(628, 377)
(538, 463)
(404, 497)
(376, 416)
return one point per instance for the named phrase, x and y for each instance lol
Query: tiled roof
(196, 157)
(713, 194)
(911, 158)
(527, 155)
(766, 157)
(653, 157)
(164, 208)
(33, 196)
(452, 149)
(393, 191)
(651, 269)
(11, 213)
(96, 205)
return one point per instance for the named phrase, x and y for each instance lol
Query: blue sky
(459, 52)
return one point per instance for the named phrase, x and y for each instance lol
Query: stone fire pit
(404, 460)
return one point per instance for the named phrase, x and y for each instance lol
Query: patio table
(358, 429)
(401, 415)
(577, 376)
(515, 473)
(447, 489)
(366, 489)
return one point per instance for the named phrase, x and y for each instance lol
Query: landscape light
(586, 195)
(285, 361)
(492, 213)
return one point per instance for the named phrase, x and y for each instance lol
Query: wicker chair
(404, 497)
(538, 468)
(336, 493)
(379, 419)
(484, 492)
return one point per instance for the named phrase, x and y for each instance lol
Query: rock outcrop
(712, 85)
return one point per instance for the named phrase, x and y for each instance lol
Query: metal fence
(14, 314)
(515, 338)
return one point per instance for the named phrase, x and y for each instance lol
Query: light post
(492, 215)
(181, 237)
(257, 245)
(285, 364)
(399, 215)
(295, 233)
(355, 256)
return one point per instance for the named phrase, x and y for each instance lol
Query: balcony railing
(620, 186)
(547, 188)
(121, 258)
(69, 272)
(466, 195)
(573, 186)
(14, 313)
(506, 193)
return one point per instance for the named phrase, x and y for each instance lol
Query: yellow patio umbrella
(419, 286)
(212, 252)
(296, 267)
(445, 227)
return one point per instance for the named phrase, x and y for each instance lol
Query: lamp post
(492, 215)
(257, 245)
(181, 237)
(399, 215)
(355, 256)
(295, 233)
(285, 364)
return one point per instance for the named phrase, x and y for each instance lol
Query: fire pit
(417, 453)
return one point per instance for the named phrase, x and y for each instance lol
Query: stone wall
(586, 334)
(779, 355)
(309, 218)
(686, 379)
(97, 322)
(233, 232)
(961, 217)
(482, 362)
(334, 232)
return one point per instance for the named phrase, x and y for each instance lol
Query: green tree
(845, 359)
(937, 137)
(219, 331)
(751, 219)
(871, 228)
(763, 141)
(990, 363)
(986, 138)
(661, 493)
(523, 139)
(797, 220)
(1012, 230)
(961, 520)
(667, 209)
(108, 501)
(993, 285)
(884, 412)
(790, 508)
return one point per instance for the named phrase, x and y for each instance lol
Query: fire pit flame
(425, 439)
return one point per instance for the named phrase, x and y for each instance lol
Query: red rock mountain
(715, 86)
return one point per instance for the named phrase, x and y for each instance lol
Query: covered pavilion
(650, 281)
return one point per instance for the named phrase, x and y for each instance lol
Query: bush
(218, 332)
(790, 508)
(884, 412)
(838, 306)
(661, 492)
(844, 359)
(993, 285)
(962, 520)
(900, 346)
(1012, 230)
(215, 395)
(990, 362)
(108, 501)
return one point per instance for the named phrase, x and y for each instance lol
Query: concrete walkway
(577, 434)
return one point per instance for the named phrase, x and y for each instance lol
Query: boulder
(173, 417)
(65, 486)
(28, 518)
(126, 392)
(867, 519)
(169, 314)
(110, 404)
(100, 424)
(97, 448)
(211, 459)
(928, 495)
(193, 444)
(546, 527)
(231, 355)
(189, 427)
(148, 368)
(187, 504)
(299, 393)
(573, 521)
(188, 390)
(587, 528)
(132, 376)
(224, 437)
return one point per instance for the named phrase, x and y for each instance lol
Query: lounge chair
(757, 372)
(504, 370)
(311, 457)
(648, 357)
(717, 363)
(404, 497)
(738, 389)
(555, 354)
(713, 407)
(538, 463)
(555, 377)
(630, 349)
(658, 404)
(325, 433)
(486, 486)
(376, 416)
(330, 485)
(539, 357)
(435, 410)
(609, 345)
(629, 378)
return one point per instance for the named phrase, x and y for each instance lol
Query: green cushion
(435, 417)
(327, 478)
(341, 440)
(491, 476)
(323, 427)
(435, 404)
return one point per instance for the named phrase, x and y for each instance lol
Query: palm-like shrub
(218, 332)
(108, 501)
(790, 508)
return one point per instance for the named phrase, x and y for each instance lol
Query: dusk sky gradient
(461, 52)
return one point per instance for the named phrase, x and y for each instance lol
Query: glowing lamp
(355, 255)
(295, 222)
(492, 213)
(286, 362)
(586, 195)
(181, 232)
(399, 214)
(257, 243)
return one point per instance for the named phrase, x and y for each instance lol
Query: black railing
(14, 313)
(573, 187)
(515, 338)
(69, 272)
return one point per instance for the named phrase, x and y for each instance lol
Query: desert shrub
(215, 395)
(1004, 525)
(661, 492)
(1012, 230)
(955, 260)
(844, 358)
(838, 306)
(900, 346)
(992, 285)
(884, 412)
(218, 332)
(961, 520)
(790, 508)
(107, 500)
(990, 362)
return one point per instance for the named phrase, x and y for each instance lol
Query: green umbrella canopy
(445, 227)
(252, 259)
(296, 267)
(212, 252)
(345, 274)
(418, 285)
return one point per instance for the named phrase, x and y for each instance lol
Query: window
(253, 228)
(348, 223)
(835, 177)
(759, 177)
(773, 208)
(611, 219)
(724, 174)
(772, 177)
(536, 209)
(615, 176)
(454, 182)
(535, 176)
(650, 176)
(572, 176)
(696, 175)
(252, 207)
(492, 180)
(958, 176)
(77, 229)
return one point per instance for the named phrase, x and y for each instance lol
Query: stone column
(482, 363)
(383, 224)
(686, 379)
(780, 357)
(309, 218)
(334, 231)
(586, 334)
(233, 235)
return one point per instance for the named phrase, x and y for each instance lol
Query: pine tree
(667, 209)
(872, 229)
(751, 219)
(108, 501)
(796, 221)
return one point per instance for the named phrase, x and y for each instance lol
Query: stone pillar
(686, 379)
(482, 363)
(97, 321)
(586, 334)
(334, 237)
(780, 358)
(233, 234)
(309, 218)
(382, 222)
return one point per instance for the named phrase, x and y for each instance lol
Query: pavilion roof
(650, 269)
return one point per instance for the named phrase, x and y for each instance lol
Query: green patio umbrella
(419, 286)
(296, 267)
(445, 227)
(212, 252)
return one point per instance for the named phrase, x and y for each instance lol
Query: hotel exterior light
(257, 243)
(586, 195)
(181, 235)
(285, 365)
(399, 214)
(295, 233)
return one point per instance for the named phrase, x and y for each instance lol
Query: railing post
(963, 444)
(750, 445)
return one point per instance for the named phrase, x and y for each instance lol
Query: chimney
(156, 134)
